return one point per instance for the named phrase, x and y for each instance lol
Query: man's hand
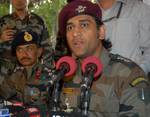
(7, 34)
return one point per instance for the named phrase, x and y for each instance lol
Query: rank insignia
(80, 9)
(27, 37)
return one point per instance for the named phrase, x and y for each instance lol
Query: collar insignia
(80, 9)
(27, 37)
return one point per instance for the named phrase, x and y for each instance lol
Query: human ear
(40, 52)
(101, 32)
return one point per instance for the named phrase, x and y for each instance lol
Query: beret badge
(27, 37)
(80, 9)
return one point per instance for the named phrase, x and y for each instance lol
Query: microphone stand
(86, 95)
(85, 101)
(85, 89)
(57, 85)
(55, 97)
(65, 66)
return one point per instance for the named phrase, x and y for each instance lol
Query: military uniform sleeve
(13, 85)
(130, 79)
(131, 103)
(6, 91)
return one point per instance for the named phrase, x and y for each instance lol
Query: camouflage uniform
(30, 22)
(28, 86)
(115, 93)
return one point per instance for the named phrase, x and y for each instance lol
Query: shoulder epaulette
(123, 60)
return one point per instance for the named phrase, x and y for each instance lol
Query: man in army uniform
(29, 81)
(115, 92)
(21, 19)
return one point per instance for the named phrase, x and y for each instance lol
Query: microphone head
(92, 61)
(70, 63)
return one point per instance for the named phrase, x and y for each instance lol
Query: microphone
(65, 66)
(91, 69)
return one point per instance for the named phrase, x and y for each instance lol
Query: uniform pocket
(104, 104)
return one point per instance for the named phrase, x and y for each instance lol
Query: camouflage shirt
(114, 94)
(30, 22)
(29, 86)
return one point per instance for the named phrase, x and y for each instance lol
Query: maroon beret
(74, 8)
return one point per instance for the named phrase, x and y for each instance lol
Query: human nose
(24, 53)
(77, 31)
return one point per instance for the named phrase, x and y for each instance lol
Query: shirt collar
(16, 17)
(104, 57)
(31, 71)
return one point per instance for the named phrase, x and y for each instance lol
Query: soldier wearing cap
(28, 82)
(115, 92)
(21, 20)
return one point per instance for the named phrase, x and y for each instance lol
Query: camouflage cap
(23, 38)
(77, 7)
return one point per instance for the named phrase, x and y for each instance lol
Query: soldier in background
(115, 93)
(28, 82)
(127, 24)
(21, 19)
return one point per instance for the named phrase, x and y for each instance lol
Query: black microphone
(65, 66)
(91, 69)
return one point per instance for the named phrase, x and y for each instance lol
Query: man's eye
(69, 28)
(19, 50)
(84, 25)
(29, 48)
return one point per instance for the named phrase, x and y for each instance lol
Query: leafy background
(48, 9)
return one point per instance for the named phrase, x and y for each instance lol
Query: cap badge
(27, 36)
(80, 9)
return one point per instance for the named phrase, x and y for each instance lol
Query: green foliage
(4, 9)
(47, 9)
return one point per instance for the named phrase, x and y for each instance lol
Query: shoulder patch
(138, 80)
